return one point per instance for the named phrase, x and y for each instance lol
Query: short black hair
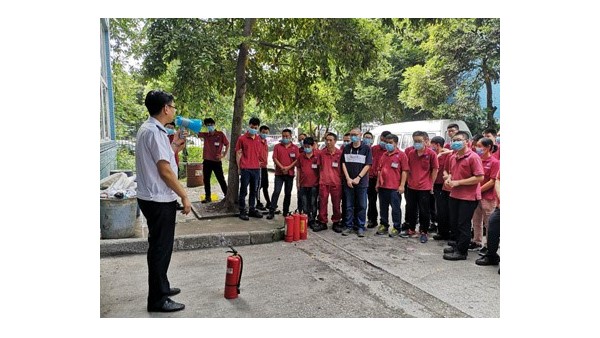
(421, 133)
(303, 134)
(438, 140)
(309, 140)
(347, 134)
(385, 133)
(263, 127)
(476, 138)
(393, 137)
(209, 120)
(156, 100)
(254, 121)
(368, 132)
(463, 133)
(335, 137)
(453, 125)
(490, 131)
(286, 130)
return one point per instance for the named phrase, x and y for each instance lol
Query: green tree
(285, 65)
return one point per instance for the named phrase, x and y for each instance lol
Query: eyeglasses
(175, 109)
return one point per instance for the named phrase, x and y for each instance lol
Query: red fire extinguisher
(303, 226)
(296, 226)
(233, 276)
(289, 228)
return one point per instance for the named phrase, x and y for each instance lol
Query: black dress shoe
(205, 201)
(270, 215)
(438, 237)
(255, 213)
(455, 256)
(244, 216)
(449, 249)
(173, 291)
(167, 306)
(487, 260)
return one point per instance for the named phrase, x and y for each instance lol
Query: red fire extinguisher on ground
(296, 226)
(303, 226)
(233, 276)
(289, 228)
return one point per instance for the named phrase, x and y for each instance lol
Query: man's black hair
(438, 140)
(490, 131)
(286, 130)
(309, 140)
(393, 137)
(156, 100)
(453, 125)
(335, 137)
(254, 121)
(209, 120)
(263, 127)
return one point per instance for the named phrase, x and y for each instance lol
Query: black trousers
(264, 186)
(493, 236)
(161, 227)
(372, 199)
(309, 202)
(207, 168)
(441, 204)
(461, 212)
(280, 180)
(417, 206)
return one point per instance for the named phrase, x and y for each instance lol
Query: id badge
(394, 164)
(293, 155)
(314, 166)
(217, 144)
(334, 164)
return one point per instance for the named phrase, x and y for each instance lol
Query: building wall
(108, 146)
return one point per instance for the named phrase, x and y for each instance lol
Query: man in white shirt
(157, 191)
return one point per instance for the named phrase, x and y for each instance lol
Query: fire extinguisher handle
(233, 251)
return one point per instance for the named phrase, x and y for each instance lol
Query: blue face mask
(210, 128)
(367, 141)
(479, 151)
(389, 147)
(263, 136)
(285, 140)
(252, 131)
(308, 150)
(457, 145)
(346, 143)
(497, 139)
(354, 138)
(382, 144)
(170, 131)
(418, 145)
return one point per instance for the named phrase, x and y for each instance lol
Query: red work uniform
(330, 183)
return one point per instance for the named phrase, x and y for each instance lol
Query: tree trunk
(233, 181)
(490, 109)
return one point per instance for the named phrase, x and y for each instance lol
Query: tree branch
(272, 45)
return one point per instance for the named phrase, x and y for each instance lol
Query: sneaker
(474, 246)
(412, 233)
(346, 231)
(337, 227)
(455, 256)
(382, 230)
(483, 251)
(394, 232)
(360, 232)
(403, 234)
(423, 237)
(255, 213)
(244, 216)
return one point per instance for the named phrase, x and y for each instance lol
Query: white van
(404, 130)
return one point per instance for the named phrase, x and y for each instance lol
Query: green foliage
(194, 154)
(125, 159)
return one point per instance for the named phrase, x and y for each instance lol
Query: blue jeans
(356, 206)
(387, 197)
(249, 177)
(287, 194)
